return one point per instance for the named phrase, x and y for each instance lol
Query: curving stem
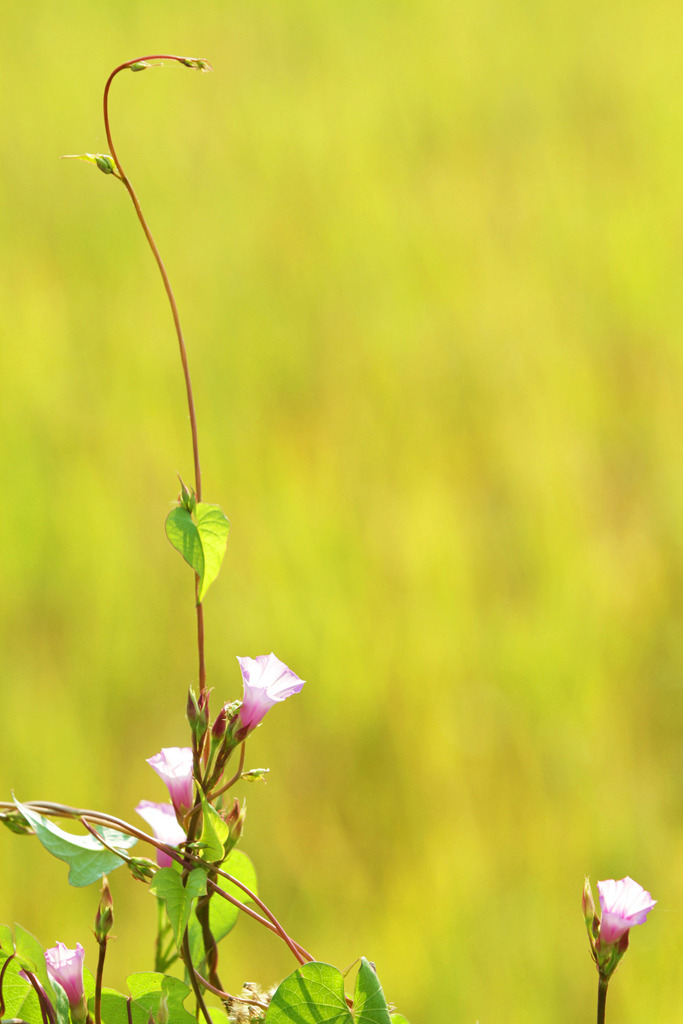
(201, 65)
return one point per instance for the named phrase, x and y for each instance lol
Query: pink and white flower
(161, 818)
(65, 966)
(623, 904)
(174, 766)
(267, 681)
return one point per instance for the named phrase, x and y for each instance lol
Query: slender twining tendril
(137, 65)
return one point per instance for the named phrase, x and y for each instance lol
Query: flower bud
(198, 63)
(142, 868)
(105, 913)
(187, 497)
(234, 819)
(197, 716)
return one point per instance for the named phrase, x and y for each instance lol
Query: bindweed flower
(161, 818)
(65, 966)
(267, 681)
(174, 766)
(623, 904)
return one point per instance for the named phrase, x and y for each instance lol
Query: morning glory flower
(174, 766)
(161, 818)
(65, 966)
(267, 681)
(623, 904)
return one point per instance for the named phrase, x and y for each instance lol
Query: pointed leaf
(147, 989)
(168, 886)
(398, 1018)
(312, 995)
(369, 1004)
(87, 858)
(214, 833)
(214, 528)
(183, 534)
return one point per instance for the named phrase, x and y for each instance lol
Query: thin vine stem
(121, 175)
(184, 858)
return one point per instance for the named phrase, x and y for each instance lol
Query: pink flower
(267, 681)
(623, 904)
(174, 766)
(162, 820)
(65, 966)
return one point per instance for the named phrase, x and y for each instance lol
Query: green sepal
(168, 886)
(87, 858)
(201, 539)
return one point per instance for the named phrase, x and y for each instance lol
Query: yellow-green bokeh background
(428, 257)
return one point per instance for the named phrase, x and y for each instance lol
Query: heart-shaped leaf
(168, 886)
(311, 995)
(201, 542)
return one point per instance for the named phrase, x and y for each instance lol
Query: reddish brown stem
(121, 175)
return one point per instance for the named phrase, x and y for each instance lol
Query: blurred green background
(428, 258)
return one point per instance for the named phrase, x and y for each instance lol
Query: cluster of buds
(623, 904)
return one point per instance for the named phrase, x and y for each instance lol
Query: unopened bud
(142, 868)
(187, 497)
(235, 822)
(198, 63)
(139, 65)
(105, 912)
(197, 716)
(102, 160)
(16, 823)
(255, 775)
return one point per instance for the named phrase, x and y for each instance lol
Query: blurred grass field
(428, 260)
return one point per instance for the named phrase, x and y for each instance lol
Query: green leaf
(398, 1018)
(145, 994)
(31, 956)
(202, 544)
(223, 915)
(147, 989)
(6, 940)
(213, 529)
(168, 886)
(369, 1004)
(87, 858)
(214, 833)
(314, 994)
(183, 534)
(20, 997)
